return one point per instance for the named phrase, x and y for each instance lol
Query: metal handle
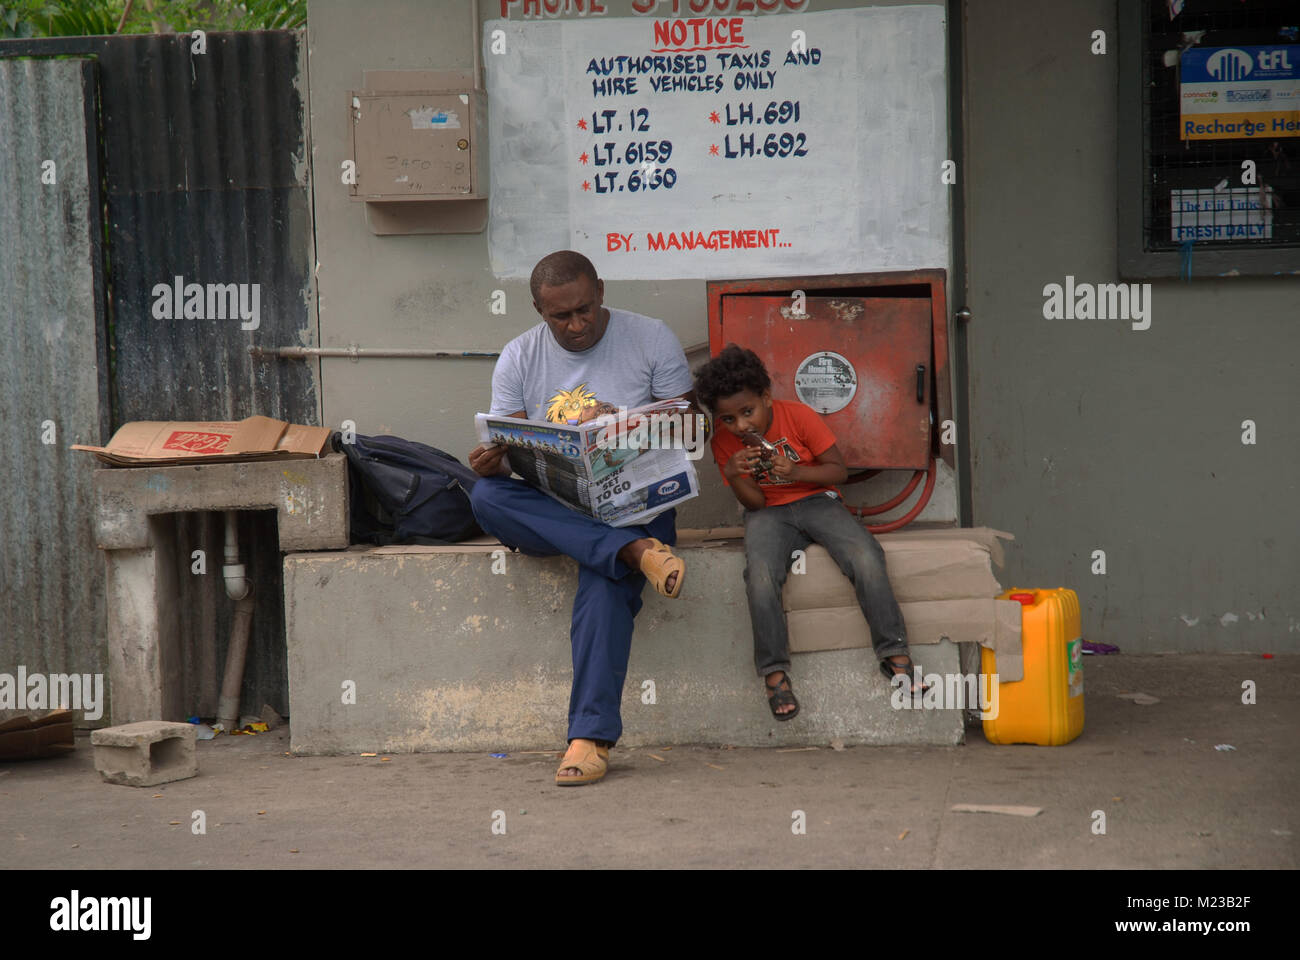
(920, 383)
(963, 315)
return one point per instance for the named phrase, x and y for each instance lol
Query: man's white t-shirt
(638, 360)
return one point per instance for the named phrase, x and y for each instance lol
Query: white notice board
(667, 149)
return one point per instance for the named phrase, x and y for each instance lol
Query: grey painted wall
(1088, 435)
(1085, 435)
(433, 291)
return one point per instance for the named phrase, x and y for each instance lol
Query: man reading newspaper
(623, 468)
(581, 360)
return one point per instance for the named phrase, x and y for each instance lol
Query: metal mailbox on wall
(868, 352)
(424, 145)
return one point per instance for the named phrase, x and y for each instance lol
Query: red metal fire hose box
(869, 352)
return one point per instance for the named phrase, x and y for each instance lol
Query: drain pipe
(240, 589)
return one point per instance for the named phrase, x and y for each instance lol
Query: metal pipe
(228, 705)
(356, 353)
(478, 44)
(240, 589)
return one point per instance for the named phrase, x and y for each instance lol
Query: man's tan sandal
(658, 563)
(589, 760)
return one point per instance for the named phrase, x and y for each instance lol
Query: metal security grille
(1193, 195)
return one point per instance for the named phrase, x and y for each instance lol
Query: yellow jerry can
(1046, 707)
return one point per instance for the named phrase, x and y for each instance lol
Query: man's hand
(489, 460)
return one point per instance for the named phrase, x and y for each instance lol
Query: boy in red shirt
(781, 462)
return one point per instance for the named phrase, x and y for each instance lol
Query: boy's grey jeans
(771, 537)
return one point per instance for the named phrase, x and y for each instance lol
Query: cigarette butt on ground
(1011, 811)
(904, 834)
(659, 758)
(715, 766)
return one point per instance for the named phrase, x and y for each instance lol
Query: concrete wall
(1085, 435)
(433, 291)
(443, 654)
(1088, 435)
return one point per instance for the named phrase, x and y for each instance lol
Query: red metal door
(861, 362)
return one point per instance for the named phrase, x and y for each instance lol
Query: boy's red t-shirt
(799, 433)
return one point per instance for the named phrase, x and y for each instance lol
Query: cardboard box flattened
(988, 622)
(158, 443)
(918, 570)
(985, 536)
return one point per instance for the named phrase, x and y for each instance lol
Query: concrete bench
(133, 527)
(409, 649)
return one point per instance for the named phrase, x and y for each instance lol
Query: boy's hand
(742, 463)
(783, 466)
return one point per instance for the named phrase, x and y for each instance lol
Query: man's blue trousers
(609, 592)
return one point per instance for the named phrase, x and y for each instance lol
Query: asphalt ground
(1168, 797)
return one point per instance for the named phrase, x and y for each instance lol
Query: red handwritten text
(197, 442)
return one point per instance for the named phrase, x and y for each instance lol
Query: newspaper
(621, 469)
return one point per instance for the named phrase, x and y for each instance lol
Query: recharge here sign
(1240, 93)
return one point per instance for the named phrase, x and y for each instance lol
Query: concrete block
(145, 753)
(133, 526)
(310, 497)
(143, 649)
(445, 655)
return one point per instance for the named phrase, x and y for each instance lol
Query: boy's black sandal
(891, 669)
(780, 695)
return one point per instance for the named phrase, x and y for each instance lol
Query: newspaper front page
(621, 469)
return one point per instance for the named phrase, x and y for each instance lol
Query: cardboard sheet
(160, 443)
(989, 622)
(921, 569)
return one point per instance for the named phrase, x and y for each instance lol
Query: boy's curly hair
(731, 371)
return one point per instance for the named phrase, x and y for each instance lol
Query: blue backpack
(402, 491)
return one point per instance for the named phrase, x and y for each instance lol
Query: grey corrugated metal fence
(205, 178)
(53, 371)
